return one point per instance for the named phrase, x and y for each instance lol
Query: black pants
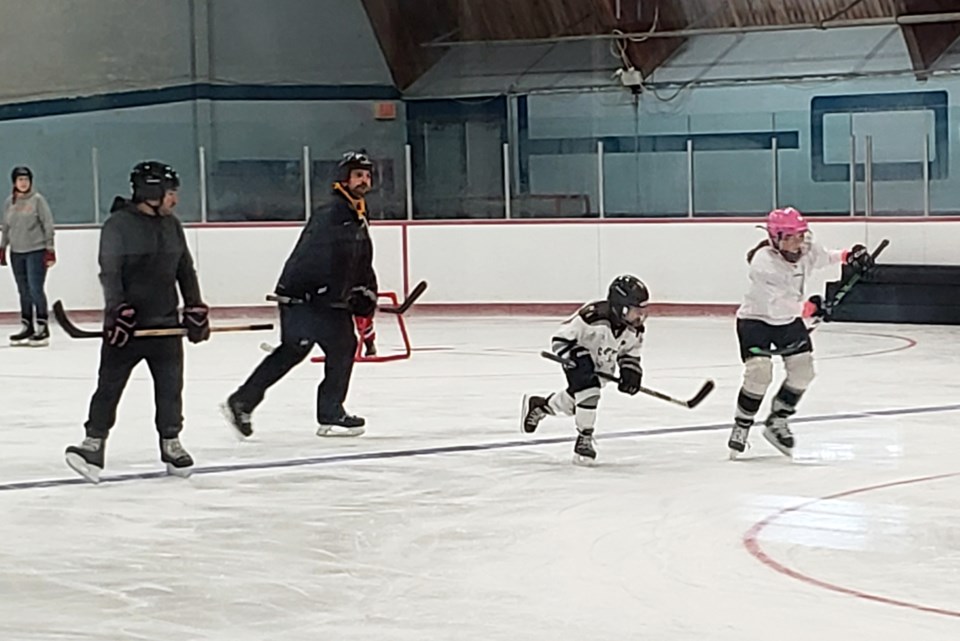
(793, 338)
(164, 356)
(302, 326)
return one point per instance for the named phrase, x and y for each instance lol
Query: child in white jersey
(601, 337)
(771, 321)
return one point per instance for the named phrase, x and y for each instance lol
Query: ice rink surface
(445, 522)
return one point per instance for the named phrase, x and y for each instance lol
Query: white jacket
(776, 294)
(590, 328)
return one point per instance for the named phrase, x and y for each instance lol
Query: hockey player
(771, 320)
(143, 258)
(326, 281)
(600, 337)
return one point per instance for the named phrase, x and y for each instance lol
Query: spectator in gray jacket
(28, 233)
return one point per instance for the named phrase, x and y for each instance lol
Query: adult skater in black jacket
(327, 280)
(143, 258)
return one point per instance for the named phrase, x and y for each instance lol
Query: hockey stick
(828, 307)
(408, 302)
(402, 308)
(76, 332)
(695, 400)
(845, 287)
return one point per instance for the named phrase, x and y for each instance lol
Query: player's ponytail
(753, 252)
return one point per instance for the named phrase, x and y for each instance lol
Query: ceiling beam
(903, 20)
(926, 43)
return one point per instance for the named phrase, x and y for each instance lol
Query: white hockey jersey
(590, 328)
(776, 292)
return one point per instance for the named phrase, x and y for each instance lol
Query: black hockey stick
(695, 400)
(828, 307)
(402, 308)
(76, 332)
(408, 302)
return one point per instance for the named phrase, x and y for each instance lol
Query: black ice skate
(738, 436)
(238, 416)
(778, 433)
(369, 347)
(41, 337)
(532, 411)
(342, 425)
(179, 462)
(86, 459)
(23, 336)
(584, 450)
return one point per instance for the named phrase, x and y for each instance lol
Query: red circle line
(752, 543)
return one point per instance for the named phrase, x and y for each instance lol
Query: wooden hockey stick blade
(408, 302)
(695, 400)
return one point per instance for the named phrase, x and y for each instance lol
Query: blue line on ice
(457, 449)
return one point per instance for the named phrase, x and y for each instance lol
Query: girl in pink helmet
(771, 319)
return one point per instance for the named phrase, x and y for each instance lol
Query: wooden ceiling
(410, 30)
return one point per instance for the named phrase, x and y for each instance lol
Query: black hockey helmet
(625, 292)
(21, 171)
(353, 160)
(151, 179)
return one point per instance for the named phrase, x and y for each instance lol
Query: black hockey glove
(859, 258)
(120, 325)
(362, 301)
(631, 374)
(814, 307)
(197, 322)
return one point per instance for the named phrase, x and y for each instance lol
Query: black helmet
(21, 171)
(151, 179)
(626, 292)
(353, 160)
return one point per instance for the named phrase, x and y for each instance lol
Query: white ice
(665, 539)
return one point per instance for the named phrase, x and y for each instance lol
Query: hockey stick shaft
(697, 398)
(74, 331)
(402, 308)
(845, 288)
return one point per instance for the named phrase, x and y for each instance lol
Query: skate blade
(772, 440)
(182, 472)
(77, 463)
(24, 343)
(228, 415)
(41, 343)
(734, 452)
(335, 431)
(584, 461)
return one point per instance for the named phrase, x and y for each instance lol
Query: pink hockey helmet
(785, 222)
